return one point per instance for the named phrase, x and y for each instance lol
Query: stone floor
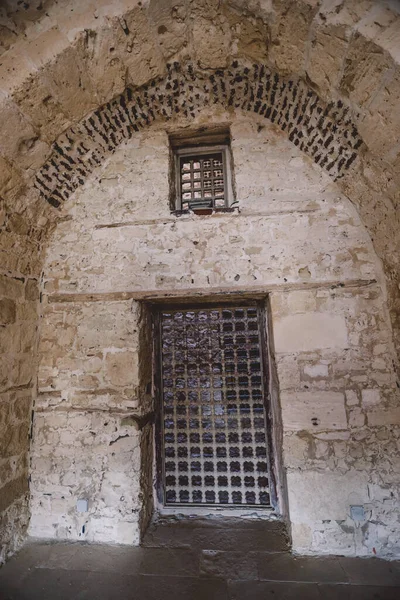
(193, 563)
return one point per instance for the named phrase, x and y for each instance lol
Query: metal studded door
(212, 422)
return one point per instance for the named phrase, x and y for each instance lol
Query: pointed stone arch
(324, 131)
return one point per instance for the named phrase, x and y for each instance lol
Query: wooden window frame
(224, 149)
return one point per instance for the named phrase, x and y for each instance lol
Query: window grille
(203, 178)
(213, 418)
(202, 181)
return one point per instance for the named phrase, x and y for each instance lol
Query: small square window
(203, 177)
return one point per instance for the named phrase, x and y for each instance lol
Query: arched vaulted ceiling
(77, 78)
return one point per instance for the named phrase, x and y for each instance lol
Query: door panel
(213, 427)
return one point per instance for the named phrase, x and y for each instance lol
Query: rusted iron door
(212, 432)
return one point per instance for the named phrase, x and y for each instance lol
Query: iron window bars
(203, 178)
(214, 446)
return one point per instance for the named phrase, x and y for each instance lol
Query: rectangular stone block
(309, 331)
(313, 411)
(315, 496)
(7, 311)
(379, 418)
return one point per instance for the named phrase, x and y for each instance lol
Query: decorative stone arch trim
(324, 131)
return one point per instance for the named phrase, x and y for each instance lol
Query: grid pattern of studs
(202, 181)
(213, 417)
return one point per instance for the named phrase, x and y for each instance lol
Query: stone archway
(324, 131)
(56, 71)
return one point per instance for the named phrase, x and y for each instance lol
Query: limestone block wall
(294, 237)
(19, 295)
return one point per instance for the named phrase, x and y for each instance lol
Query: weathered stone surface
(370, 397)
(13, 526)
(19, 140)
(384, 417)
(289, 35)
(301, 239)
(143, 58)
(364, 72)
(310, 331)
(327, 51)
(330, 495)
(113, 491)
(69, 82)
(7, 311)
(169, 18)
(313, 411)
(39, 104)
(381, 126)
(122, 368)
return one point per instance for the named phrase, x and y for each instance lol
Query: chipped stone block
(41, 107)
(380, 128)
(215, 54)
(250, 36)
(143, 58)
(46, 46)
(352, 397)
(103, 60)
(370, 397)
(69, 82)
(169, 17)
(313, 411)
(294, 451)
(315, 371)
(289, 34)
(327, 51)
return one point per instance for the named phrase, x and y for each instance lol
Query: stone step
(217, 533)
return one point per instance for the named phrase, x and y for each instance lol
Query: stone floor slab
(358, 592)
(286, 567)
(150, 587)
(372, 571)
(218, 534)
(89, 557)
(225, 565)
(46, 584)
(273, 590)
(80, 571)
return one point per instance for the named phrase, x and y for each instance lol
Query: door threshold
(193, 512)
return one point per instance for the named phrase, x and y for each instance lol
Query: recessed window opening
(213, 435)
(202, 172)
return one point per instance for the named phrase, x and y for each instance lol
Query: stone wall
(18, 340)
(294, 236)
(61, 66)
